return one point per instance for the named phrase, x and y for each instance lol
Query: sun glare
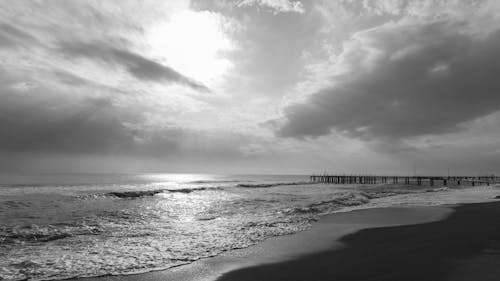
(191, 43)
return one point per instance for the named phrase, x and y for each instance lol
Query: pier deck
(415, 180)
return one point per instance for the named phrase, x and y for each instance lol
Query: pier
(408, 180)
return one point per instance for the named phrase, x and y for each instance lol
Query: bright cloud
(250, 85)
(193, 43)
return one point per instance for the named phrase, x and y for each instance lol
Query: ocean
(76, 225)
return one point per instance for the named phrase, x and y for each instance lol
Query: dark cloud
(47, 121)
(48, 125)
(70, 79)
(43, 120)
(405, 81)
(11, 36)
(137, 65)
(96, 126)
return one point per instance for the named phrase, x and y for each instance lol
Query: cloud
(41, 120)
(425, 8)
(70, 79)
(11, 36)
(137, 65)
(403, 80)
(54, 123)
(278, 6)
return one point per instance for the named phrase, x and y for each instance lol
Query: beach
(396, 243)
(208, 227)
(464, 246)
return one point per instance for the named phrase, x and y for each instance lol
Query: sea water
(63, 226)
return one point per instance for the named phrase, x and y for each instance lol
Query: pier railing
(415, 180)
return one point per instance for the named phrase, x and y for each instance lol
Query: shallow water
(61, 226)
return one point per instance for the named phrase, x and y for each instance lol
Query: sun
(192, 43)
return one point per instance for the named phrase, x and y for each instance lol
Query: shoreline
(326, 233)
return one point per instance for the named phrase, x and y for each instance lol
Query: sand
(464, 246)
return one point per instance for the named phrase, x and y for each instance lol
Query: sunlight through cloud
(192, 43)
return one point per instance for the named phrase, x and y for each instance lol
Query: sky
(250, 86)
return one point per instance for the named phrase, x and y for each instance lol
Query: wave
(266, 185)
(35, 233)
(443, 188)
(332, 205)
(189, 190)
(207, 218)
(11, 204)
(135, 194)
(147, 193)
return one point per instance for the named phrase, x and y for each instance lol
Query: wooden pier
(413, 180)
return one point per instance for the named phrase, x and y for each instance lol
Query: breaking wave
(35, 233)
(332, 205)
(146, 193)
(135, 194)
(189, 190)
(443, 188)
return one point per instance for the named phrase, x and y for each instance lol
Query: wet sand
(306, 255)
